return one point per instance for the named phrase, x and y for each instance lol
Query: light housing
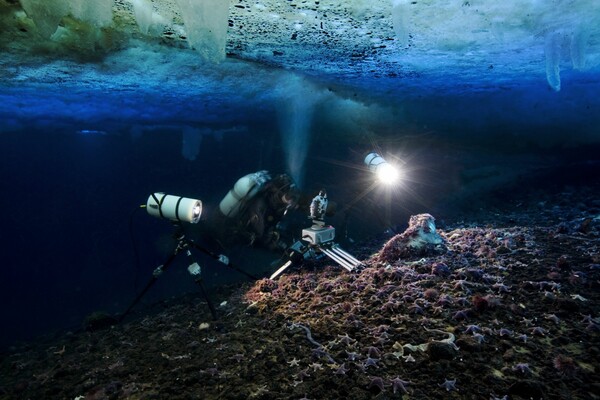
(386, 173)
(175, 208)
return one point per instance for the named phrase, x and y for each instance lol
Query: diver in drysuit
(251, 211)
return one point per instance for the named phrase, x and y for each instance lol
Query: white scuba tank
(244, 189)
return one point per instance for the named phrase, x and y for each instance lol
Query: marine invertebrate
(501, 287)
(416, 309)
(319, 351)
(409, 358)
(461, 315)
(341, 370)
(479, 338)
(345, 339)
(399, 385)
(538, 330)
(431, 294)
(377, 382)
(371, 362)
(504, 332)
(480, 303)
(493, 301)
(462, 284)
(316, 366)
(565, 365)
(553, 318)
(522, 368)
(390, 305)
(462, 301)
(523, 337)
(440, 269)
(303, 374)
(588, 319)
(294, 362)
(472, 329)
(448, 384)
(444, 300)
(308, 333)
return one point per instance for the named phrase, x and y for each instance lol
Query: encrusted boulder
(419, 239)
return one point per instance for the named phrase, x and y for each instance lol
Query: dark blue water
(72, 226)
(69, 200)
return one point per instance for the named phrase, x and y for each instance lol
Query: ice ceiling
(209, 61)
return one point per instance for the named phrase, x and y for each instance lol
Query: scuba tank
(244, 189)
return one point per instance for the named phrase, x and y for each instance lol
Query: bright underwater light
(175, 208)
(386, 173)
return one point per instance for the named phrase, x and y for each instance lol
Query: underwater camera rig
(317, 241)
(181, 209)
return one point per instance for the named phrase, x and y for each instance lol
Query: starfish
(294, 362)
(538, 331)
(587, 318)
(460, 315)
(377, 382)
(316, 366)
(505, 332)
(346, 339)
(373, 351)
(399, 384)
(522, 368)
(449, 385)
(409, 358)
(302, 374)
(479, 338)
(371, 362)
(527, 322)
(523, 337)
(472, 329)
(260, 390)
(60, 352)
(578, 297)
(341, 370)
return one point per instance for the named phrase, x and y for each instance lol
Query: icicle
(142, 9)
(400, 10)
(552, 50)
(97, 12)
(45, 14)
(206, 26)
(578, 49)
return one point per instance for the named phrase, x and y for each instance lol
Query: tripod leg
(213, 311)
(150, 283)
(281, 269)
(220, 258)
(195, 270)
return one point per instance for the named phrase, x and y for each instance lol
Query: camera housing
(316, 234)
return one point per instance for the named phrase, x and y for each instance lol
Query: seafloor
(508, 311)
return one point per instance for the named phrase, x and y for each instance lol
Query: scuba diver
(251, 211)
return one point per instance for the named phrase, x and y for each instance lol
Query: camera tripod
(316, 240)
(185, 245)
